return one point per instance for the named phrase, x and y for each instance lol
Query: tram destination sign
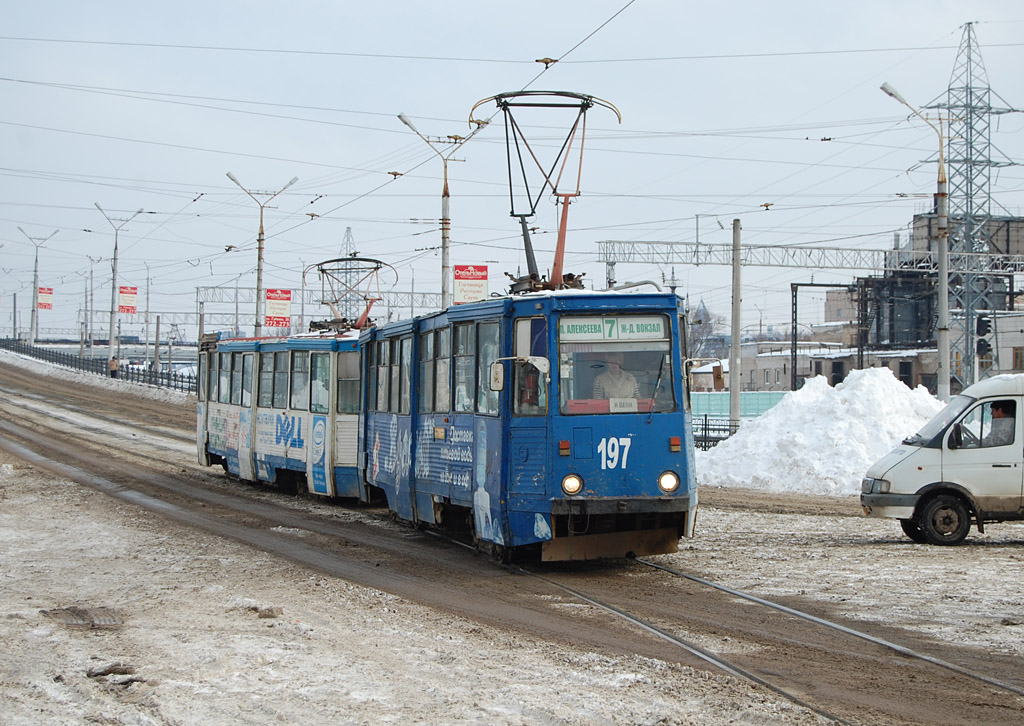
(623, 327)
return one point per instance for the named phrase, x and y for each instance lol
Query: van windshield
(942, 420)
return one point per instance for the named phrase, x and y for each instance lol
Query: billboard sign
(278, 310)
(470, 284)
(127, 299)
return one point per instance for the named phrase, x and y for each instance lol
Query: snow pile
(820, 440)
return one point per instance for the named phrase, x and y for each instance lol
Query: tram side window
(465, 351)
(281, 380)
(224, 394)
(211, 378)
(299, 399)
(265, 397)
(395, 375)
(425, 404)
(203, 380)
(488, 342)
(348, 382)
(236, 379)
(383, 373)
(531, 391)
(320, 382)
(371, 377)
(443, 368)
(405, 376)
(247, 380)
(684, 355)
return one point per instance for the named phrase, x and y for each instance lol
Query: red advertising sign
(278, 310)
(45, 298)
(470, 284)
(127, 299)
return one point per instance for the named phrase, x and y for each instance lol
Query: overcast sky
(725, 107)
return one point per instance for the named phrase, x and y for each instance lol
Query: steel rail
(841, 628)
(705, 655)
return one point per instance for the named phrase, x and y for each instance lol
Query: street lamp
(34, 325)
(258, 327)
(942, 243)
(113, 280)
(446, 222)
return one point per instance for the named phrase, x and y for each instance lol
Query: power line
(469, 59)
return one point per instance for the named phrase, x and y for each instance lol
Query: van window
(988, 425)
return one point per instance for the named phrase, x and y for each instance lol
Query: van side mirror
(956, 437)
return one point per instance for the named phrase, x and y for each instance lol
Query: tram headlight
(668, 481)
(572, 484)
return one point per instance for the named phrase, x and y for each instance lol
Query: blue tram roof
(309, 341)
(544, 302)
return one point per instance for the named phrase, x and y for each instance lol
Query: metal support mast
(969, 157)
(350, 307)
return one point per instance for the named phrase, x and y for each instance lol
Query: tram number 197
(614, 452)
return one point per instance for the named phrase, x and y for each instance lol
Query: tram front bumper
(618, 505)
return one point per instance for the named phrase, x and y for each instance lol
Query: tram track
(841, 677)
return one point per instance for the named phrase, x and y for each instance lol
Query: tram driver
(615, 382)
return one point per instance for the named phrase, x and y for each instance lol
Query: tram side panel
(226, 415)
(387, 436)
(281, 434)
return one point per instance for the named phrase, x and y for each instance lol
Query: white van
(966, 464)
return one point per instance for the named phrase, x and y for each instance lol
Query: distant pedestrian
(113, 365)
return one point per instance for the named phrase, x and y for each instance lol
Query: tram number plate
(614, 452)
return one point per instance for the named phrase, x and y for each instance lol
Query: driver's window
(990, 424)
(971, 427)
(530, 385)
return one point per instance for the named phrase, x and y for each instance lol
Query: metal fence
(708, 432)
(185, 382)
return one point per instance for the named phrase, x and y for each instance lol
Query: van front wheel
(913, 530)
(944, 521)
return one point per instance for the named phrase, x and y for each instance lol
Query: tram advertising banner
(45, 298)
(470, 284)
(278, 311)
(127, 299)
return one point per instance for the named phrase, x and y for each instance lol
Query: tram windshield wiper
(657, 387)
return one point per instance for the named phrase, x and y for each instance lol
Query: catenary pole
(734, 346)
(258, 326)
(113, 281)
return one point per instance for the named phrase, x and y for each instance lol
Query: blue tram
(555, 422)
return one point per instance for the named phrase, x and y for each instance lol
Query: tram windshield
(615, 364)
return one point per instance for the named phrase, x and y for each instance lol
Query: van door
(984, 453)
